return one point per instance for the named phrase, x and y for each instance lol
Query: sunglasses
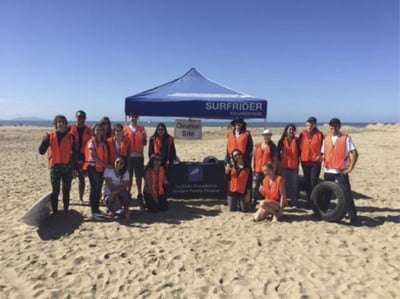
(119, 162)
(117, 131)
(157, 159)
(237, 155)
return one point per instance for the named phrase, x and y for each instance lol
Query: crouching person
(154, 181)
(273, 190)
(116, 188)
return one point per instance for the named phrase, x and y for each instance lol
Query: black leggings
(153, 206)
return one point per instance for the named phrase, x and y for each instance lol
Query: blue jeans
(235, 199)
(291, 183)
(344, 180)
(96, 182)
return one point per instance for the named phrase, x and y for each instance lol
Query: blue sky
(324, 58)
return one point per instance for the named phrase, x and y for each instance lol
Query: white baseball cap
(267, 132)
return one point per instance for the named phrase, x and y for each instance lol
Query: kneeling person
(273, 190)
(154, 181)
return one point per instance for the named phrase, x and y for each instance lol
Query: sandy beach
(198, 249)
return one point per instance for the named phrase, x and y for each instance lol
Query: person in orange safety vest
(154, 188)
(62, 156)
(239, 176)
(239, 138)
(82, 133)
(98, 158)
(288, 154)
(264, 152)
(273, 190)
(310, 141)
(339, 155)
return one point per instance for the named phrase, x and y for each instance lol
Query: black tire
(319, 197)
(210, 159)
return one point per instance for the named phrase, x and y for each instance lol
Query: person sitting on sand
(273, 190)
(116, 189)
(62, 154)
(239, 176)
(155, 180)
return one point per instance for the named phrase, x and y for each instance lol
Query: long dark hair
(124, 168)
(160, 125)
(235, 164)
(284, 134)
(150, 164)
(106, 119)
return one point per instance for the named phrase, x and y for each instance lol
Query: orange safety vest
(240, 143)
(157, 182)
(157, 145)
(290, 154)
(261, 157)
(124, 145)
(60, 153)
(335, 154)
(87, 134)
(272, 192)
(136, 139)
(101, 152)
(310, 146)
(238, 182)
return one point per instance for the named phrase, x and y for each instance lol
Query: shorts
(137, 164)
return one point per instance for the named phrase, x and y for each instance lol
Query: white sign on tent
(188, 129)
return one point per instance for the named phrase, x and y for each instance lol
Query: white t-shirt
(117, 182)
(349, 147)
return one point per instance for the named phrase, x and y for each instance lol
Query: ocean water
(205, 123)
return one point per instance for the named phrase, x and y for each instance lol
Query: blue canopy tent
(195, 96)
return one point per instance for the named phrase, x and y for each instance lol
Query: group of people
(110, 156)
(269, 172)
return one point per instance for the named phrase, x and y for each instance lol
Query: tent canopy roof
(194, 95)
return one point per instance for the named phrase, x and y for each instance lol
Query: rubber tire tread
(332, 215)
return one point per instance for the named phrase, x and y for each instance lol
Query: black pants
(311, 177)
(153, 206)
(257, 181)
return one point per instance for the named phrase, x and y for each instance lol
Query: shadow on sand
(293, 214)
(60, 224)
(179, 210)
